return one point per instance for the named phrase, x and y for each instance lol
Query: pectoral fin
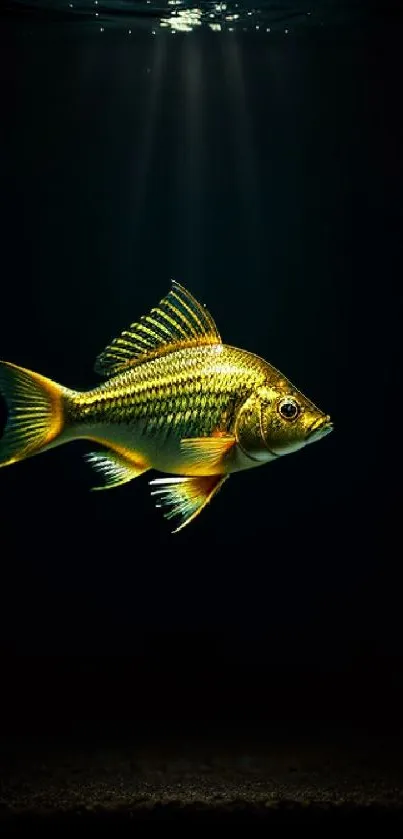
(206, 455)
(185, 498)
(114, 468)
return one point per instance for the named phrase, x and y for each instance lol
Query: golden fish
(176, 399)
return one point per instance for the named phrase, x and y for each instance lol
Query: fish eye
(288, 408)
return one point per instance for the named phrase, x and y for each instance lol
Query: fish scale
(199, 400)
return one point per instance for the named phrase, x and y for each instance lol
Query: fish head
(290, 421)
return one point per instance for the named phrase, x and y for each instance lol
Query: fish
(174, 399)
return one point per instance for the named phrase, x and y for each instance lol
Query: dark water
(257, 160)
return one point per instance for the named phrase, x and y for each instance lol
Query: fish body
(176, 399)
(190, 393)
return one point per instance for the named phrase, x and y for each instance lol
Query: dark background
(265, 175)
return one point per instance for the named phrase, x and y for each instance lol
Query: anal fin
(114, 468)
(185, 498)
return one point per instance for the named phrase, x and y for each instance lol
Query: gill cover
(248, 428)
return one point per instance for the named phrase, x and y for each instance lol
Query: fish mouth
(320, 428)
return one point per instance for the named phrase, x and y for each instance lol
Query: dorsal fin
(178, 321)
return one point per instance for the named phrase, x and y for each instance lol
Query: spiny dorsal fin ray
(178, 321)
(184, 498)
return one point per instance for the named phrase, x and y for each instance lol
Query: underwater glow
(185, 20)
(179, 16)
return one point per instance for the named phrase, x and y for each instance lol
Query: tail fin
(35, 413)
